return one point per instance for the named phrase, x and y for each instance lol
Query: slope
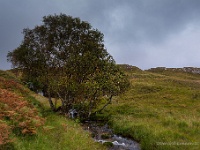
(161, 110)
(27, 124)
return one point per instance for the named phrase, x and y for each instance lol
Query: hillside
(26, 122)
(161, 110)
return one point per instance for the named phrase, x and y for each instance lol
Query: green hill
(161, 110)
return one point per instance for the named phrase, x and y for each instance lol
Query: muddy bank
(104, 135)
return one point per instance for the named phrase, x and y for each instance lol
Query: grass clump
(108, 144)
(105, 136)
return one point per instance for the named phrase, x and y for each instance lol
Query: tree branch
(109, 101)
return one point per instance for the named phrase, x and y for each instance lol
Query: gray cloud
(145, 33)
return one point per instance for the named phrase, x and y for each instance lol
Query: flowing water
(104, 135)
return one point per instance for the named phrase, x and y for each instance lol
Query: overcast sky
(143, 33)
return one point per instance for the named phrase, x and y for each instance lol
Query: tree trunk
(63, 105)
(50, 102)
(109, 101)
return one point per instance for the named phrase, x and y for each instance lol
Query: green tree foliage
(66, 58)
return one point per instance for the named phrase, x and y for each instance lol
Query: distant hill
(127, 67)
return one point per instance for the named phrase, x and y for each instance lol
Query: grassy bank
(55, 131)
(58, 133)
(160, 111)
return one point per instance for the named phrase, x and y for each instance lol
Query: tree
(66, 58)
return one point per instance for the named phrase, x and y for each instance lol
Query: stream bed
(105, 135)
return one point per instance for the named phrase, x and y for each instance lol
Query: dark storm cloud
(145, 33)
(153, 19)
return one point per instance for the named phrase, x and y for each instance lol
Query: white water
(119, 142)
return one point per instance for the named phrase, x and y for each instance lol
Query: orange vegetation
(15, 112)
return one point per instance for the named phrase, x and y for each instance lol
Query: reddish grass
(16, 112)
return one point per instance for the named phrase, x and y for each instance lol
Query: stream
(105, 135)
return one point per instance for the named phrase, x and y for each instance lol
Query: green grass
(160, 111)
(58, 132)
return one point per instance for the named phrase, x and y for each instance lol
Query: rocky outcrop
(194, 70)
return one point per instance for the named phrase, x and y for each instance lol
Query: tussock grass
(59, 133)
(160, 111)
